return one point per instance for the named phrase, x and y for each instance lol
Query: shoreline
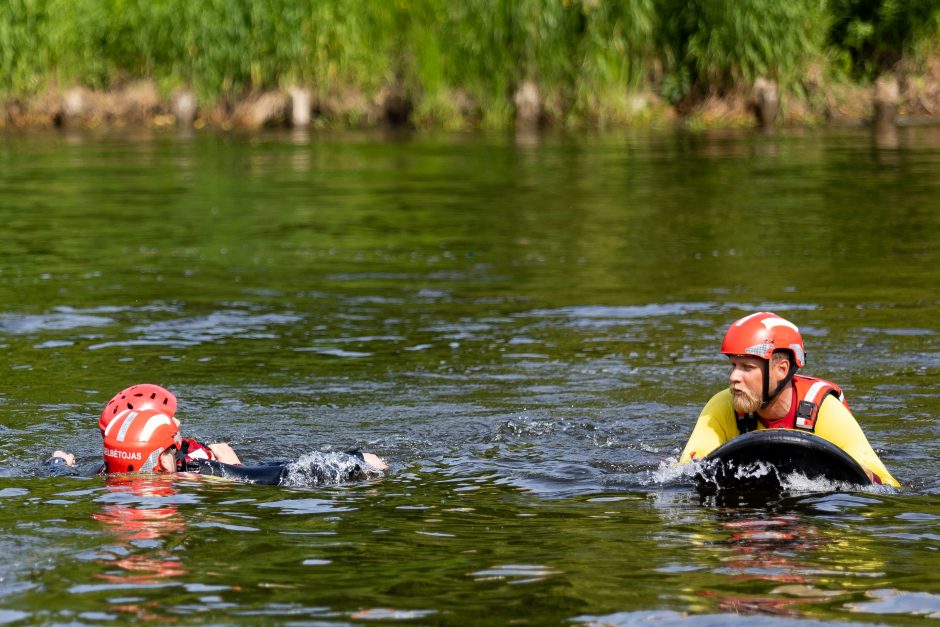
(139, 103)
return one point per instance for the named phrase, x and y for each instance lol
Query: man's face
(747, 383)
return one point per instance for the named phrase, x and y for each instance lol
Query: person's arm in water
(61, 458)
(375, 461)
(312, 469)
(837, 424)
(224, 453)
(64, 464)
(715, 426)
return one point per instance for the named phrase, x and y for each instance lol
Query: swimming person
(143, 403)
(148, 440)
(150, 396)
(766, 393)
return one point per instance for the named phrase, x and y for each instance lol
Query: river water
(525, 327)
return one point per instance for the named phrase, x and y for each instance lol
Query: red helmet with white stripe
(134, 440)
(142, 396)
(761, 335)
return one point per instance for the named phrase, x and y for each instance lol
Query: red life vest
(191, 450)
(809, 395)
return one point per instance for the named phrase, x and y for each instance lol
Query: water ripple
(892, 601)
(204, 329)
(63, 321)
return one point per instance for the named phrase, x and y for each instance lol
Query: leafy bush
(715, 45)
(873, 35)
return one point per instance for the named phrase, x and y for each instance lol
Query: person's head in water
(138, 397)
(765, 351)
(141, 441)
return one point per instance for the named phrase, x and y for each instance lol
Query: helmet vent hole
(154, 395)
(129, 406)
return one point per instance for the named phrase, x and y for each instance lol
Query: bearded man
(765, 392)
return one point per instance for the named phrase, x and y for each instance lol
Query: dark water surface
(526, 330)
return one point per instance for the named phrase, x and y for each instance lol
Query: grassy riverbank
(468, 63)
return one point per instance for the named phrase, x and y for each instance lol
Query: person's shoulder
(719, 412)
(834, 420)
(831, 405)
(721, 399)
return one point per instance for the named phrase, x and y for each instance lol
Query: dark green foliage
(873, 35)
(720, 44)
(583, 54)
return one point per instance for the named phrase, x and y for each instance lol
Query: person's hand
(224, 453)
(375, 461)
(68, 457)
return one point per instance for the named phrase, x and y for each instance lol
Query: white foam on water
(318, 468)
(669, 473)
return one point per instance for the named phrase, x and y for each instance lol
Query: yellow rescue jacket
(833, 421)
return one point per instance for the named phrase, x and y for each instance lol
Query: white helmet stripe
(114, 421)
(746, 318)
(128, 420)
(770, 323)
(157, 420)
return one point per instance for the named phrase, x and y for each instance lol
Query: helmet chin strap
(769, 398)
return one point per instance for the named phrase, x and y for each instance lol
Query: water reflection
(776, 549)
(142, 522)
(886, 136)
(782, 559)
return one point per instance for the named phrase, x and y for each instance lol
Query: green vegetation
(712, 45)
(459, 62)
(875, 35)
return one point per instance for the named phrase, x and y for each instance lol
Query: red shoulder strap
(810, 394)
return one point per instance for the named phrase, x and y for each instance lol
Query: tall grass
(573, 50)
(26, 59)
(714, 45)
(586, 56)
(220, 47)
(226, 46)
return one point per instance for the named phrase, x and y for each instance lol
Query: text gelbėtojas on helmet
(134, 440)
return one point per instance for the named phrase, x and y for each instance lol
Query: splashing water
(318, 469)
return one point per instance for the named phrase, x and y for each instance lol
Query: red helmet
(143, 396)
(761, 334)
(134, 440)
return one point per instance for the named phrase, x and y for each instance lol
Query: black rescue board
(732, 465)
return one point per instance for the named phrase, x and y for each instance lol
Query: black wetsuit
(310, 470)
(340, 468)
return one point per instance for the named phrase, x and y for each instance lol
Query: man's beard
(746, 403)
